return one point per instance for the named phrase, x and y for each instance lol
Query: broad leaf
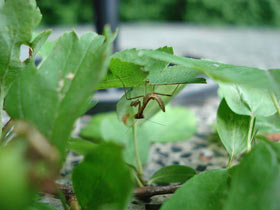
(256, 181)
(131, 68)
(268, 125)
(17, 20)
(217, 71)
(107, 127)
(39, 41)
(246, 100)
(80, 146)
(232, 129)
(274, 76)
(176, 124)
(103, 180)
(53, 96)
(172, 174)
(207, 190)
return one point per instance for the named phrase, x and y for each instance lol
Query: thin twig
(149, 191)
(141, 193)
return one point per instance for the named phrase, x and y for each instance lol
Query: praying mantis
(147, 97)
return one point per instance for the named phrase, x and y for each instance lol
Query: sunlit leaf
(55, 95)
(232, 129)
(246, 100)
(17, 20)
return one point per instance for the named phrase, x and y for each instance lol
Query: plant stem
(250, 132)
(276, 103)
(139, 164)
(229, 162)
(2, 96)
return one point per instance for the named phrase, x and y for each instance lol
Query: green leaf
(15, 192)
(246, 100)
(268, 125)
(256, 181)
(172, 174)
(80, 146)
(17, 20)
(103, 180)
(274, 76)
(108, 128)
(39, 41)
(55, 95)
(217, 71)
(165, 126)
(207, 190)
(232, 129)
(175, 75)
(131, 68)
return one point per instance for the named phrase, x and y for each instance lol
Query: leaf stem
(250, 132)
(276, 103)
(139, 164)
(2, 96)
(229, 162)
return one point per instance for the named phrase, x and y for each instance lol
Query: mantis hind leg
(171, 94)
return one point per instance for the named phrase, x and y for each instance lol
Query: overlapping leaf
(53, 96)
(103, 180)
(207, 190)
(17, 20)
(247, 100)
(217, 71)
(268, 125)
(256, 181)
(172, 174)
(131, 68)
(108, 127)
(232, 129)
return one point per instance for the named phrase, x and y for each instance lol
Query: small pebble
(160, 163)
(186, 155)
(176, 149)
(201, 167)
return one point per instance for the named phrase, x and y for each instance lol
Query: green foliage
(103, 180)
(60, 86)
(17, 20)
(54, 94)
(207, 190)
(250, 12)
(172, 174)
(66, 12)
(151, 131)
(255, 182)
(268, 125)
(232, 129)
(248, 101)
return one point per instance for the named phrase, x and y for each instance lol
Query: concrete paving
(257, 47)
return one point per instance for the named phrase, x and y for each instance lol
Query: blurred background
(240, 32)
(214, 12)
